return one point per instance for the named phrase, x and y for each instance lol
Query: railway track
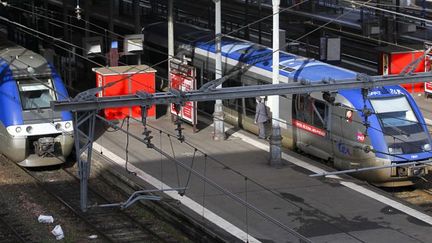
(109, 224)
(419, 194)
(10, 231)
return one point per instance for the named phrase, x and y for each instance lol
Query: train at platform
(32, 134)
(351, 128)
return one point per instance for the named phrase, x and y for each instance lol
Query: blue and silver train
(31, 133)
(351, 128)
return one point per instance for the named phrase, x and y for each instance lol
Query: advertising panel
(183, 78)
(428, 63)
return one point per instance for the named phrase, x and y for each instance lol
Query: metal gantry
(301, 87)
(88, 105)
(84, 145)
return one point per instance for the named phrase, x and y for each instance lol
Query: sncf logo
(360, 137)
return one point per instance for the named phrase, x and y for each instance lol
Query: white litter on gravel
(46, 219)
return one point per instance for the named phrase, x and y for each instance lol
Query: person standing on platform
(261, 117)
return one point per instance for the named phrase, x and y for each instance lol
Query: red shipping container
(393, 60)
(128, 80)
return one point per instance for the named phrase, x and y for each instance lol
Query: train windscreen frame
(36, 94)
(397, 119)
(396, 115)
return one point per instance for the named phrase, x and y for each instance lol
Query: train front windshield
(36, 94)
(397, 118)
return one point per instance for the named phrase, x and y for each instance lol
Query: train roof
(21, 61)
(292, 66)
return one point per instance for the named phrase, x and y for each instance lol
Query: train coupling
(416, 170)
(44, 146)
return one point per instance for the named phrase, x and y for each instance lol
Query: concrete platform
(337, 209)
(425, 105)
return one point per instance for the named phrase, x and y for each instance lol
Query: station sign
(183, 79)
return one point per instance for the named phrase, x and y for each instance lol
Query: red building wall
(395, 62)
(128, 84)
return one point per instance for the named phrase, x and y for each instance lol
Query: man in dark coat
(261, 117)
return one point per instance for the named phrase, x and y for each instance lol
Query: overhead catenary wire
(169, 58)
(267, 189)
(216, 185)
(226, 167)
(302, 37)
(127, 147)
(169, 135)
(29, 30)
(389, 11)
(117, 127)
(371, 127)
(174, 156)
(252, 63)
(192, 165)
(264, 17)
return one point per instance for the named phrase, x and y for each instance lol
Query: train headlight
(426, 147)
(58, 126)
(395, 150)
(18, 129)
(29, 129)
(67, 125)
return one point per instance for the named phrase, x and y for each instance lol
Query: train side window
(250, 107)
(304, 108)
(319, 114)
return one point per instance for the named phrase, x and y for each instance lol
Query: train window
(311, 111)
(250, 104)
(245, 51)
(286, 68)
(319, 116)
(396, 115)
(304, 109)
(35, 94)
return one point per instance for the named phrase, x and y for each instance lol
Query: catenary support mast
(218, 115)
(275, 138)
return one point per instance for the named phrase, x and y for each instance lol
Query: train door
(311, 120)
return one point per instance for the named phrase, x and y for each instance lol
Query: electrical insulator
(78, 12)
(179, 129)
(147, 138)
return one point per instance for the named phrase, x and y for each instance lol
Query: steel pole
(170, 36)
(275, 138)
(170, 42)
(218, 115)
(137, 23)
